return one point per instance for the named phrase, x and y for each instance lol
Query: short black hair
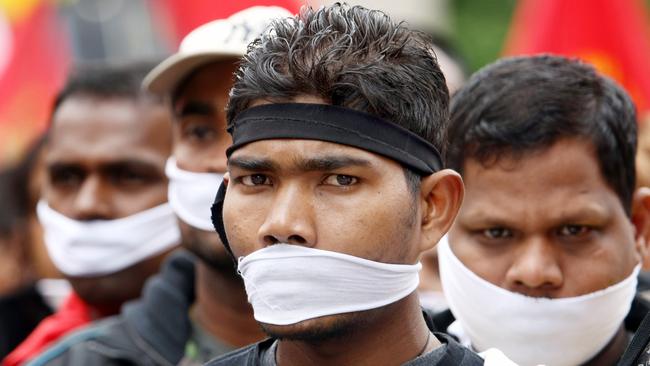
(104, 80)
(351, 57)
(523, 104)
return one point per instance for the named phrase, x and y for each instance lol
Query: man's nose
(536, 270)
(93, 201)
(290, 218)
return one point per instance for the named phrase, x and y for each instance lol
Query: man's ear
(441, 195)
(641, 221)
(226, 178)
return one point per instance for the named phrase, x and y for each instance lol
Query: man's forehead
(103, 142)
(566, 163)
(77, 111)
(562, 181)
(97, 158)
(493, 210)
(211, 78)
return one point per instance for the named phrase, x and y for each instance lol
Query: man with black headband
(335, 186)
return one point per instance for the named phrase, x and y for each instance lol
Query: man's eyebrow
(321, 163)
(485, 220)
(251, 163)
(135, 164)
(576, 215)
(58, 166)
(330, 162)
(194, 108)
(142, 165)
(488, 215)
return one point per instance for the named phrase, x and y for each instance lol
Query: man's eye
(574, 230)
(497, 233)
(255, 180)
(66, 178)
(340, 180)
(128, 177)
(199, 132)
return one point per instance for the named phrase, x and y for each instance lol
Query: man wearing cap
(335, 187)
(196, 309)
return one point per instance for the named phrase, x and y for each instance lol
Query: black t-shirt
(449, 353)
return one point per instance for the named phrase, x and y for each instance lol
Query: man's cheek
(240, 237)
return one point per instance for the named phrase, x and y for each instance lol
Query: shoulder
(249, 355)
(449, 353)
(453, 353)
(57, 353)
(89, 346)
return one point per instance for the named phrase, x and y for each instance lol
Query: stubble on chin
(339, 326)
(208, 248)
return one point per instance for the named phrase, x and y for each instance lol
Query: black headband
(326, 123)
(338, 125)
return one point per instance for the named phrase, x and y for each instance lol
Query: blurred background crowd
(41, 41)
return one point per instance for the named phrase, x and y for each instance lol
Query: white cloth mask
(95, 248)
(191, 194)
(287, 284)
(529, 330)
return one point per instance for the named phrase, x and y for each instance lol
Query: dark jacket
(151, 331)
(450, 353)
(20, 313)
(638, 351)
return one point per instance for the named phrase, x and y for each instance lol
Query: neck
(99, 312)
(613, 351)
(393, 335)
(222, 308)
(430, 273)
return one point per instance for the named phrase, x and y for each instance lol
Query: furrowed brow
(488, 218)
(58, 166)
(252, 164)
(135, 164)
(329, 163)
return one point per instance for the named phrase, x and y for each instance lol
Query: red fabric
(33, 62)
(612, 35)
(73, 314)
(182, 16)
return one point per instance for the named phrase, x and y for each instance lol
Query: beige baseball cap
(214, 41)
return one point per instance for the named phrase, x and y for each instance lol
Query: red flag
(182, 16)
(610, 34)
(33, 64)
